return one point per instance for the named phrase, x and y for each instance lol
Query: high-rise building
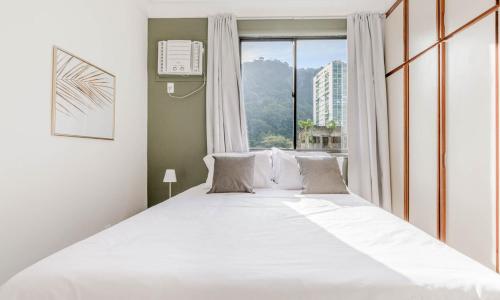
(330, 101)
(330, 95)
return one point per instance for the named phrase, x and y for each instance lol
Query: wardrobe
(442, 79)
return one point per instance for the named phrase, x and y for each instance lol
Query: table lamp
(170, 177)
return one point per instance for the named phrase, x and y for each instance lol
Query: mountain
(267, 90)
(305, 93)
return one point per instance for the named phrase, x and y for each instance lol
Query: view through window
(312, 70)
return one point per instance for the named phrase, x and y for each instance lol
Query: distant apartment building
(330, 95)
(330, 103)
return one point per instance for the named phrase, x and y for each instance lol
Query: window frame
(294, 40)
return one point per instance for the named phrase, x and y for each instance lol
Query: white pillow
(286, 168)
(263, 170)
(288, 173)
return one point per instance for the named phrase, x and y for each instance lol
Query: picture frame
(83, 98)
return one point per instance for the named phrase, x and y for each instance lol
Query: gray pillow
(321, 175)
(233, 174)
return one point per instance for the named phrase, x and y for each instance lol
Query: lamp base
(169, 190)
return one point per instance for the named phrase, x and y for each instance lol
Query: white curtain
(368, 133)
(226, 121)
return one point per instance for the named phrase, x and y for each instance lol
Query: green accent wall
(176, 128)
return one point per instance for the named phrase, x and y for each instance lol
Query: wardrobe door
(395, 106)
(423, 142)
(394, 43)
(470, 129)
(460, 12)
(422, 25)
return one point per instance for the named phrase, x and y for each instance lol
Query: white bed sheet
(273, 244)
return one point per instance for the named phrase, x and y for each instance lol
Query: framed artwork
(83, 98)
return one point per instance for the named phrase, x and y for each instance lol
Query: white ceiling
(265, 8)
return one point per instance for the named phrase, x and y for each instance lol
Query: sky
(310, 53)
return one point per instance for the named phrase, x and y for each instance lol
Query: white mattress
(269, 245)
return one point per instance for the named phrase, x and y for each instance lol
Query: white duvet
(272, 245)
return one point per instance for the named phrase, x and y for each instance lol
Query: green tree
(306, 124)
(305, 132)
(331, 125)
(278, 141)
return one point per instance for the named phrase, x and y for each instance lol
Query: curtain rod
(294, 18)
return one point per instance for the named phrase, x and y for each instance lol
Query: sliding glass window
(295, 93)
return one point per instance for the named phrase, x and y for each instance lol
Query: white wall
(263, 8)
(55, 191)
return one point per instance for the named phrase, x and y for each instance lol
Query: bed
(273, 244)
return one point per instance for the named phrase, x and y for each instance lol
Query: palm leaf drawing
(81, 87)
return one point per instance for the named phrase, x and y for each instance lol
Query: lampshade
(170, 176)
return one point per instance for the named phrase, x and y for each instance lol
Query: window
(267, 73)
(295, 93)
